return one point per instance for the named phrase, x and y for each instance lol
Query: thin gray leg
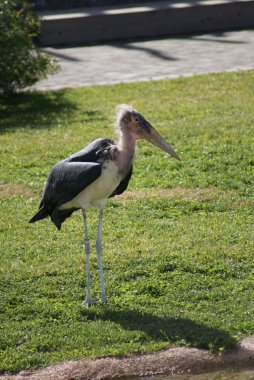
(99, 257)
(88, 301)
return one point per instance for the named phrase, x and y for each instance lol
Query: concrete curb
(167, 362)
(86, 25)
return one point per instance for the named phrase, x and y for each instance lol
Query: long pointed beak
(150, 134)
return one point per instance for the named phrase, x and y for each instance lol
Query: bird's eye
(137, 119)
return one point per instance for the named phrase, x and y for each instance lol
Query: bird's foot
(104, 299)
(88, 301)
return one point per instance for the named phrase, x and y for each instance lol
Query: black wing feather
(123, 184)
(68, 178)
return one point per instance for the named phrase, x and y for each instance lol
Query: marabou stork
(89, 177)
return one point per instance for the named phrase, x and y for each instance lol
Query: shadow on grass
(39, 110)
(173, 330)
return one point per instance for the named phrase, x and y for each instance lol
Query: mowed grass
(178, 247)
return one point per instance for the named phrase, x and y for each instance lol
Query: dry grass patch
(13, 189)
(183, 193)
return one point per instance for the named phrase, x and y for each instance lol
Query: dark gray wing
(123, 184)
(72, 175)
(67, 180)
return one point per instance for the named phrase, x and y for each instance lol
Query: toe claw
(104, 300)
(88, 302)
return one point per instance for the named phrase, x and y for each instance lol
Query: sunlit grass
(178, 248)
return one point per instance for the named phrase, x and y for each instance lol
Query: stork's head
(132, 123)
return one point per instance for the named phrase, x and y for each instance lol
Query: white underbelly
(97, 193)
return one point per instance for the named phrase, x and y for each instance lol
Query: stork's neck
(126, 148)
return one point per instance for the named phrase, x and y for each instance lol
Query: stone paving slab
(151, 59)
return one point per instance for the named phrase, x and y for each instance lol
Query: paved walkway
(151, 59)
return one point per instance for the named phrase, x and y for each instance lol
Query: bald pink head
(134, 125)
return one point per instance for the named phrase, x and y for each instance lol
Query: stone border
(46, 5)
(163, 18)
(168, 362)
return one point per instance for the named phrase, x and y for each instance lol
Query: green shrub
(21, 62)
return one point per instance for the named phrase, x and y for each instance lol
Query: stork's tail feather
(59, 216)
(41, 214)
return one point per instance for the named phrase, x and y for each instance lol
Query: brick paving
(151, 59)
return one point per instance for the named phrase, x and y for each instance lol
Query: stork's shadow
(170, 329)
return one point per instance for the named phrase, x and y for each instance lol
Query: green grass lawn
(178, 248)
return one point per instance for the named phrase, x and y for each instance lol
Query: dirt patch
(205, 195)
(202, 195)
(197, 194)
(11, 189)
(241, 204)
(167, 362)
